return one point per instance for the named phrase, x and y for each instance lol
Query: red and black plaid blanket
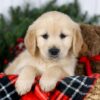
(70, 88)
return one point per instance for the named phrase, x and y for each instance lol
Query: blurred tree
(12, 32)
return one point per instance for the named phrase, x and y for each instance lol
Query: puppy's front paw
(47, 83)
(23, 86)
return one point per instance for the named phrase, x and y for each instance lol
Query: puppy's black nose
(54, 51)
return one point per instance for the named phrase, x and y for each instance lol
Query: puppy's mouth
(54, 56)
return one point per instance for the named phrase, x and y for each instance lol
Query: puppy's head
(53, 36)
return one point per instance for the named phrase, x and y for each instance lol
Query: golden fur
(35, 60)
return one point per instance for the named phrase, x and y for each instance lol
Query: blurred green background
(13, 31)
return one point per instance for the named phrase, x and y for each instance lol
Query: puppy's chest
(68, 67)
(42, 67)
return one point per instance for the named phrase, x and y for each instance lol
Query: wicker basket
(91, 36)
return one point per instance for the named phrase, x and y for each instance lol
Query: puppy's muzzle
(53, 52)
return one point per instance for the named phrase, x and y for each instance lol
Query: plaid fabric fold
(70, 88)
(76, 87)
(7, 89)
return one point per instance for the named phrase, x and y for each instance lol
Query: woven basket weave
(91, 36)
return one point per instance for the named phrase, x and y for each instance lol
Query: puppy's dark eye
(45, 36)
(62, 36)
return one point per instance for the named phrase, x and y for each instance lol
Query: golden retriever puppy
(53, 43)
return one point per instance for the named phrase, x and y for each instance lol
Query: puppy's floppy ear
(77, 41)
(30, 40)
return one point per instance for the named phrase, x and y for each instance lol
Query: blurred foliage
(11, 30)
